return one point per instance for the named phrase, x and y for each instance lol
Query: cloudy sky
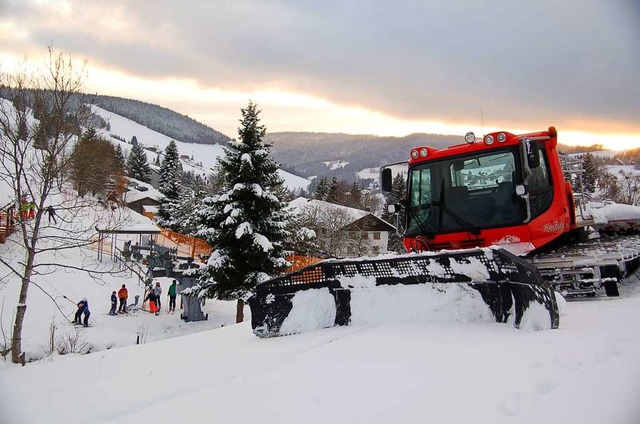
(355, 66)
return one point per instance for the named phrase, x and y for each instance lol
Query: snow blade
(506, 283)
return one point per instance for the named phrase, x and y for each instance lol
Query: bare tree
(40, 120)
(338, 234)
(628, 188)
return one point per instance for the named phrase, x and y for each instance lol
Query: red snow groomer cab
(506, 189)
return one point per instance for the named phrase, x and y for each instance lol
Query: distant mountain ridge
(344, 155)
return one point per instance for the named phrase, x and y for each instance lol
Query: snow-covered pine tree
(246, 224)
(170, 187)
(137, 164)
(171, 172)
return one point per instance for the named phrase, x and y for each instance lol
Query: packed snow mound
(450, 303)
(607, 211)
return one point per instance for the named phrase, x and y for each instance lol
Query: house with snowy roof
(140, 196)
(343, 231)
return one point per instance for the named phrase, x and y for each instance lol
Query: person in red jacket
(123, 294)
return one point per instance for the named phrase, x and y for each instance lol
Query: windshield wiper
(412, 212)
(470, 228)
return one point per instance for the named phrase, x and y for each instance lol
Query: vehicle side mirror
(386, 179)
(532, 153)
(521, 190)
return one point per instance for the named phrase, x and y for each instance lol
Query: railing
(185, 244)
(7, 225)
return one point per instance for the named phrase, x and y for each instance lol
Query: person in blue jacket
(83, 308)
(114, 303)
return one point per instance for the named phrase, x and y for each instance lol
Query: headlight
(488, 139)
(470, 137)
(424, 152)
(502, 137)
(414, 154)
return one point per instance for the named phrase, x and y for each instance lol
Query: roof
(133, 223)
(300, 204)
(356, 217)
(139, 190)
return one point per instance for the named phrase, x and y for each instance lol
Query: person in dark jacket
(114, 303)
(83, 308)
(172, 293)
(153, 299)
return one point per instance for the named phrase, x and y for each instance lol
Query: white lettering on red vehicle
(553, 227)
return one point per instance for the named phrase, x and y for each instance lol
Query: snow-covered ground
(204, 154)
(585, 372)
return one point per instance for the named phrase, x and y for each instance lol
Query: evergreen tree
(333, 192)
(171, 172)
(134, 141)
(137, 164)
(399, 186)
(120, 161)
(322, 189)
(590, 173)
(170, 185)
(354, 199)
(246, 223)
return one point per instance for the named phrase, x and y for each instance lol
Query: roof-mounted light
(424, 152)
(488, 139)
(502, 137)
(470, 137)
(414, 154)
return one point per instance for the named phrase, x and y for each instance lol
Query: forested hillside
(162, 120)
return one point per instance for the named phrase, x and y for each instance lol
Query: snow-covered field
(411, 372)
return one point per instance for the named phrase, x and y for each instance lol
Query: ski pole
(70, 300)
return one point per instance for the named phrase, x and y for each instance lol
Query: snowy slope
(204, 154)
(586, 372)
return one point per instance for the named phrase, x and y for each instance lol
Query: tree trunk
(21, 309)
(240, 311)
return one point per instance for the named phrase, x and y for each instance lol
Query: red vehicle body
(507, 190)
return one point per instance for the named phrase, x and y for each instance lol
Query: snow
(613, 213)
(301, 204)
(475, 372)
(336, 164)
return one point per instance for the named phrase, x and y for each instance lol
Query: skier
(83, 308)
(32, 209)
(172, 296)
(157, 291)
(24, 208)
(114, 303)
(151, 297)
(52, 214)
(123, 294)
